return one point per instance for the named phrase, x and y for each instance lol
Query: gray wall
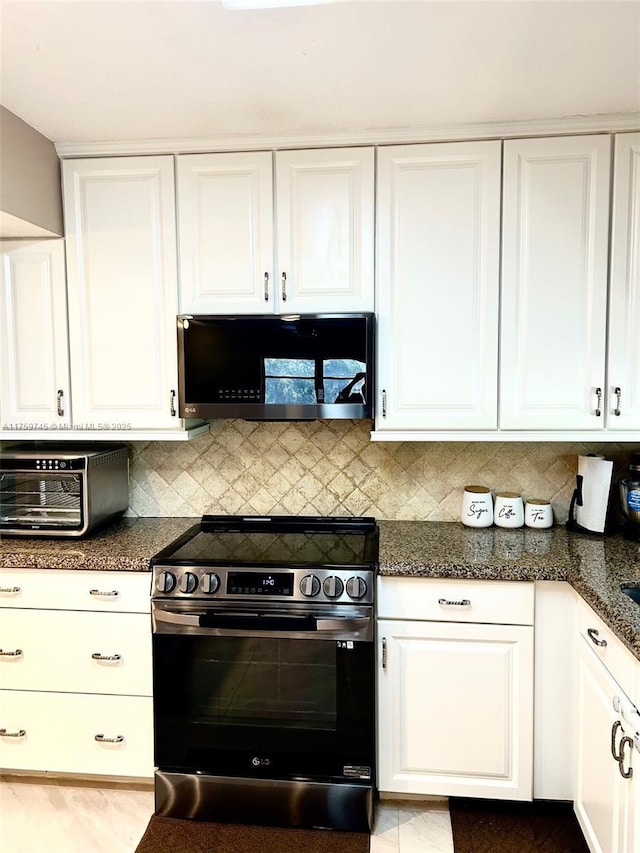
(29, 175)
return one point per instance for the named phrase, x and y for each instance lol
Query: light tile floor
(55, 816)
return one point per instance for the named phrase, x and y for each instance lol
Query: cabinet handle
(98, 656)
(172, 402)
(384, 403)
(9, 590)
(266, 287)
(617, 391)
(113, 593)
(59, 407)
(598, 411)
(626, 774)
(19, 733)
(464, 602)
(16, 654)
(284, 287)
(384, 652)
(593, 636)
(614, 731)
(103, 739)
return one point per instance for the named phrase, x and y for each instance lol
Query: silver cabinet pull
(614, 731)
(593, 636)
(9, 590)
(112, 593)
(384, 403)
(59, 406)
(617, 391)
(98, 656)
(103, 739)
(266, 287)
(19, 733)
(598, 411)
(463, 602)
(11, 655)
(384, 652)
(626, 741)
(172, 403)
(284, 287)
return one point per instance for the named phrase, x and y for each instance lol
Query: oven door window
(42, 499)
(271, 707)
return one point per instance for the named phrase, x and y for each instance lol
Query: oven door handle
(260, 622)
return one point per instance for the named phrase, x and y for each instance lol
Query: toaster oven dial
(188, 582)
(310, 586)
(333, 587)
(210, 583)
(166, 582)
(356, 587)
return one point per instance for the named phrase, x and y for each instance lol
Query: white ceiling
(102, 70)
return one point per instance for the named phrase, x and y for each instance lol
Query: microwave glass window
(289, 380)
(344, 380)
(50, 499)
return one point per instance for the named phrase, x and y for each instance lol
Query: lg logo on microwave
(190, 409)
(260, 762)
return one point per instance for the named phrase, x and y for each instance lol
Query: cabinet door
(325, 231)
(437, 289)
(34, 349)
(123, 296)
(623, 405)
(225, 221)
(554, 282)
(456, 709)
(603, 798)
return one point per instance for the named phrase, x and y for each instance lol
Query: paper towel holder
(577, 499)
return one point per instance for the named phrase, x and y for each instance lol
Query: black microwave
(297, 367)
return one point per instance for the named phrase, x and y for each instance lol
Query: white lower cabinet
(455, 693)
(75, 672)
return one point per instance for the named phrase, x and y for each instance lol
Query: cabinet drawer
(68, 589)
(57, 649)
(618, 660)
(443, 600)
(58, 733)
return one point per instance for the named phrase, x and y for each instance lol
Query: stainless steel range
(263, 657)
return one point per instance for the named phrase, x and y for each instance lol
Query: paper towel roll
(596, 483)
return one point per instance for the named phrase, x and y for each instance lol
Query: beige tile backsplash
(332, 468)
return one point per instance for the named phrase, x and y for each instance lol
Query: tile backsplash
(332, 468)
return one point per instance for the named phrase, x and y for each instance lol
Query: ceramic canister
(477, 507)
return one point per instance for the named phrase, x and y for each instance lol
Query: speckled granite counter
(594, 566)
(127, 545)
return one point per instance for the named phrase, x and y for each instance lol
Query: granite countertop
(594, 566)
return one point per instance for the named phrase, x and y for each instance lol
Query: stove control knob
(210, 583)
(166, 582)
(309, 586)
(188, 582)
(333, 587)
(356, 587)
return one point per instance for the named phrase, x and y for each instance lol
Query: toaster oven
(61, 491)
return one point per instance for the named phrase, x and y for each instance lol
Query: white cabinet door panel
(34, 349)
(76, 589)
(325, 230)
(554, 282)
(225, 220)
(624, 311)
(437, 286)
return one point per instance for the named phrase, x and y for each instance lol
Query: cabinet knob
(103, 739)
(59, 406)
(284, 287)
(384, 403)
(598, 411)
(108, 658)
(593, 636)
(19, 733)
(266, 287)
(617, 391)
(172, 402)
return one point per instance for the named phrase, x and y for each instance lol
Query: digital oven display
(260, 583)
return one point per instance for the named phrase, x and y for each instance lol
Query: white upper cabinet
(554, 283)
(438, 286)
(225, 228)
(623, 386)
(318, 258)
(34, 356)
(122, 288)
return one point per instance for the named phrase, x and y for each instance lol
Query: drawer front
(443, 600)
(65, 589)
(618, 660)
(57, 732)
(75, 652)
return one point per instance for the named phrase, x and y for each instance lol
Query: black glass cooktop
(276, 540)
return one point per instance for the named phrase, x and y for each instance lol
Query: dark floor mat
(174, 835)
(497, 826)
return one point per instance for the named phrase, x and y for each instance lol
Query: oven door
(264, 693)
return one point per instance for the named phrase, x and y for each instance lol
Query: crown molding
(604, 123)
